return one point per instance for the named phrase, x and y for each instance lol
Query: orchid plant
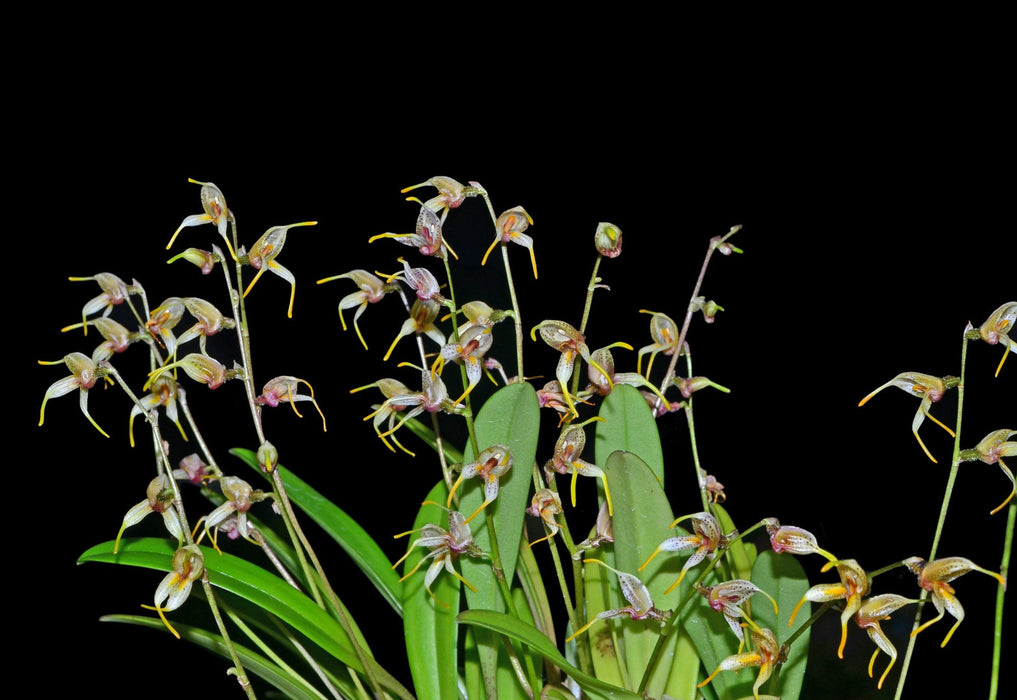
(521, 595)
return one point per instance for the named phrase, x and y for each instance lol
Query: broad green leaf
(511, 416)
(254, 663)
(642, 516)
(253, 583)
(430, 626)
(531, 637)
(354, 540)
(628, 425)
(782, 576)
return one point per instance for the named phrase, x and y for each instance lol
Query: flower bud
(608, 240)
(268, 457)
(202, 258)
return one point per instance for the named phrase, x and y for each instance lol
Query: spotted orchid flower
(163, 392)
(162, 320)
(263, 254)
(426, 238)
(873, 611)
(567, 460)
(201, 368)
(509, 227)
(188, 564)
(446, 546)
(608, 240)
(766, 656)
(709, 484)
(603, 531)
(491, 464)
(432, 397)
(570, 343)
(84, 375)
(209, 321)
(114, 291)
(991, 450)
(216, 213)
(159, 498)
(389, 388)
(602, 382)
(997, 329)
(372, 290)
(240, 496)
(116, 338)
(935, 577)
(788, 538)
(926, 387)
(285, 389)
(469, 350)
(706, 539)
(665, 334)
(853, 586)
(727, 598)
(421, 321)
(546, 505)
(421, 280)
(451, 193)
(640, 605)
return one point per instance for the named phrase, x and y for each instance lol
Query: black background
(877, 223)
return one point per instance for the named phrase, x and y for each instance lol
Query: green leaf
(782, 576)
(254, 663)
(430, 627)
(531, 637)
(511, 416)
(252, 583)
(628, 425)
(354, 540)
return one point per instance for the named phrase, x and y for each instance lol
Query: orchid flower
(216, 213)
(372, 290)
(240, 496)
(432, 397)
(570, 343)
(552, 396)
(603, 532)
(706, 539)
(509, 227)
(192, 469)
(163, 319)
(114, 291)
(163, 393)
(601, 382)
(426, 238)
(469, 349)
(116, 337)
(566, 459)
(263, 254)
(284, 389)
(84, 374)
(991, 450)
(767, 655)
(873, 611)
(727, 598)
(640, 605)
(709, 483)
(665, 334)
(689, 386)
(159, 499)
(490, 466)
(209, 322)
(200, 368)
(446, 546)
(451, 193)
(389, 388)
(188, 565)
(421, 321)
(935, 577)
(421, 280)
(788, 538)
(926, 387)
(854, 584)
(204, 260)
(545, 505)
(998, 327)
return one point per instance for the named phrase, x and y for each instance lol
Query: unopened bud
(608, 240)
(202, 258)
(268, 457)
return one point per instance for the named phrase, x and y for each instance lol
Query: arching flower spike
(640, 605)
(372, 290)
(263, 254)
(491, 465)
(510, 226)
(873, 611)
(284, 389)
(84, 374)
(853, 586)
(991, 450)
(935, 577)
(926, 387)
